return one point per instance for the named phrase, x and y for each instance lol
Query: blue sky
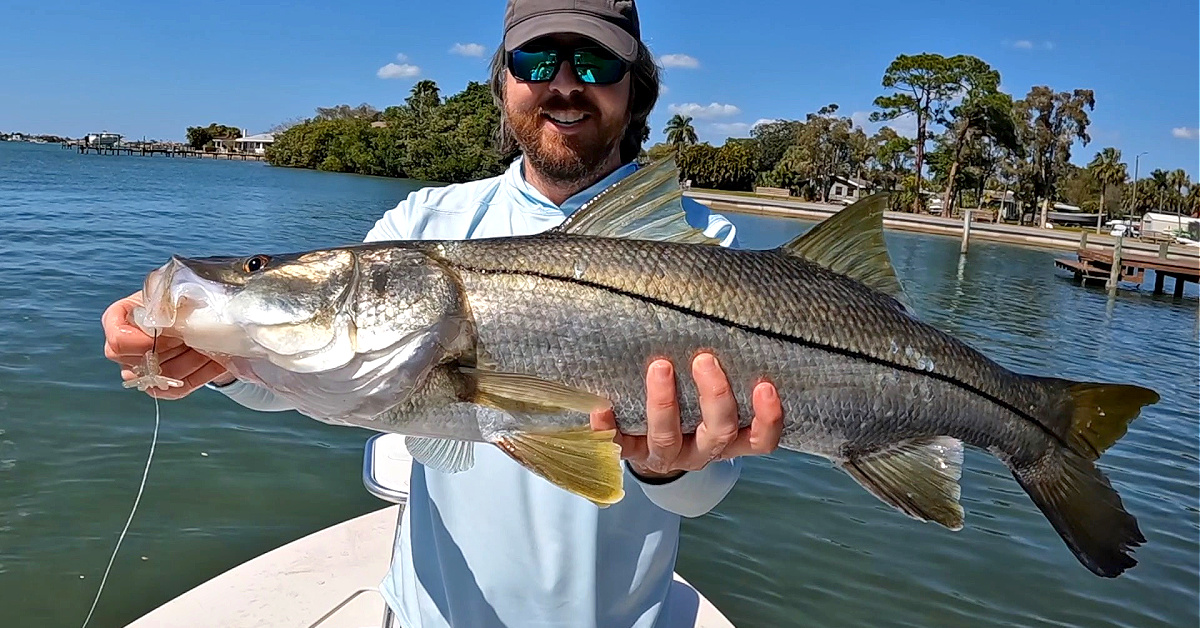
(153, 68)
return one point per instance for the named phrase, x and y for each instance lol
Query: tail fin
(1091, 417)
(1084, 509)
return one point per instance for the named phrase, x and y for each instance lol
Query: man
(496, 545)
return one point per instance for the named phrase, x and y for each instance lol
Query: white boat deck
(330, 578)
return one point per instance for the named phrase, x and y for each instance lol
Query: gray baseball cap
(610, 23)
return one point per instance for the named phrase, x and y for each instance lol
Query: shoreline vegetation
(974, 146)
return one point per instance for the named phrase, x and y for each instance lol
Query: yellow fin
(851, 243)
(1100, 414)
(646, 205)
(918, 477)
(579, 460)
(515, 391)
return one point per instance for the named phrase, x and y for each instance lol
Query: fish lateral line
(774, 335)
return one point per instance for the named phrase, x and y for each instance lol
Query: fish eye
(256, 263)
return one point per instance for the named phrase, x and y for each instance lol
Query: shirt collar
(514, 177)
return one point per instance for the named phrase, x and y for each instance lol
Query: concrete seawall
(936, 225)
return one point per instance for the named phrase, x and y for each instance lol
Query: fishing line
(145, 473)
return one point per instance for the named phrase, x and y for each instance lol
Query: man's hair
(643, 94)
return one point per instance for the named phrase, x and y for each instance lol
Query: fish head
(315, 311)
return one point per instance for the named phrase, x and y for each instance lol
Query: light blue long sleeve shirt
(496, 546)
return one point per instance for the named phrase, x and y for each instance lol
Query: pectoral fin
(580, 460)
(516, 392)
(445, 455)
(919, 477)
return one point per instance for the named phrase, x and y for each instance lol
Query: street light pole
(1136, 159)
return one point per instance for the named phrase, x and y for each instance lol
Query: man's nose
(565, 82)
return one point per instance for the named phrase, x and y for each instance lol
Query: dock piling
(1114, 273)
(966, 234)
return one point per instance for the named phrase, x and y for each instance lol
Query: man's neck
(558, 192)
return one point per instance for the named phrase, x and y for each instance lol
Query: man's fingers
(664, 438)
(762, 437)
(184, 364)
(202, 375)
(718, 407)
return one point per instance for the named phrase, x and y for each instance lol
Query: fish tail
(1091, 417)
(1083, 508)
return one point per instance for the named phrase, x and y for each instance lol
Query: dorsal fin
(851, 242)
(646, 205)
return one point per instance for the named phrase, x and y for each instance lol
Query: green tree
(424, 98)
(826, 147)
(1051, 122)
(984, 112)
(925, 85)
(773, 139)
(890, 160)
(680, 131)
(1108, 170)
(346, 112)
(200, 136)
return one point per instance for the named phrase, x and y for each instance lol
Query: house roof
(259, 137)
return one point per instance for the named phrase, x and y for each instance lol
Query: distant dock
(1098, 265)
(166, 151)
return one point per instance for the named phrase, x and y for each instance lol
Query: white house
(1160, 223)
(848, 189)
(256, 143)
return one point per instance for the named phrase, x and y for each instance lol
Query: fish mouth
(173, 293)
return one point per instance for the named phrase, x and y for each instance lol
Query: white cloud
(715, 110)
(764, 121)
(679, 61)
(398, 71)
(401, 57)
(663, 90)
(1028, 44)
(467, 50)
(1185, 133)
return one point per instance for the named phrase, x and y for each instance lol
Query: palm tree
(424, 96)
(1107, 170)
(680, 131)
(1178, 182)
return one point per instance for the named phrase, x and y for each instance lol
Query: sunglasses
(592, 64)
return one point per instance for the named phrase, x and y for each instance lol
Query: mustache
(577, 102)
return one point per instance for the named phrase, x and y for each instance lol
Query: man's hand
(126, 344)
(666, 452)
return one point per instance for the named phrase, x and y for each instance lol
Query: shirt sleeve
(714, 225)
(393, 225)
(696, 492)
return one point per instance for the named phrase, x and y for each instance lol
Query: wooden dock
(1094, 265)
(170, 151)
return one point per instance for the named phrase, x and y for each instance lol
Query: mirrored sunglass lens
(594, 67)
(534, 66)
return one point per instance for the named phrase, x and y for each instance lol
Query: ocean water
(796, 543)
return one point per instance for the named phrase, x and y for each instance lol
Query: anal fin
(918, 477)
(441, 454)
(582, 461)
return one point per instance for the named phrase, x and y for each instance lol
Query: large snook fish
(514, 341)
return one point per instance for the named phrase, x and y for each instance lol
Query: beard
(568, 160)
